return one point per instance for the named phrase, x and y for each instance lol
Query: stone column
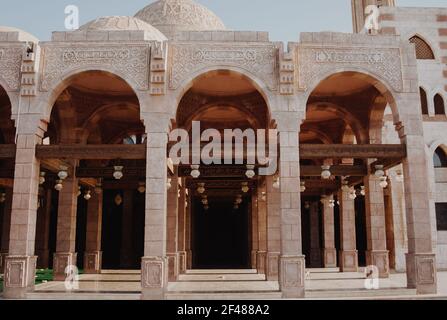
(172, 230)
(273, 230)
(21, 262)
(421, 261)
(315, 250)
(261, 255)
(188, 227)
(254, 230)
(292, 264)
(182, 230)
(66, 227)
(348, 259)
(377, 254)
(127, 224)
(154, 278)
(329, 251)
(93, 253)
(43, 231)
(6, 226)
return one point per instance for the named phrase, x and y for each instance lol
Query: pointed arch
(439, 104)
(424, 101)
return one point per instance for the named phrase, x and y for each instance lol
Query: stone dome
(173, 16)
(22, 35)
(123, 23)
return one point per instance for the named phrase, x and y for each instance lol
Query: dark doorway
(360, 230)
(220, 235)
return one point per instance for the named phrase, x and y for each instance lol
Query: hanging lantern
(118, 173)
(42, 178)
(58, 186)
(201, 188)
(352, 194)
(302, 186)
(326, 172)
(362, 191)
(169, 183)
(384, 182)
(306, 205)
(263, 196)
(331, 203)
(195, 173)
(79, 191)
(141, 187)
(276, 183)
(118, 200)
(63, 173)
(245, 187)
(2, 197)
(239, 199)
(250, 173)
(88, 195)
(379, 171)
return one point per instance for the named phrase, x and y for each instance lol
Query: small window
(423, 50)
(424, 103)
(440, 159)
(441, 216)
(439, 105)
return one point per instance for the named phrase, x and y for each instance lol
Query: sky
(284, 19)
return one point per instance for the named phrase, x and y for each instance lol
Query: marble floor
(234, 284)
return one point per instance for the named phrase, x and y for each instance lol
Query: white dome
(23, 35)
(173, 16)
(123, 23)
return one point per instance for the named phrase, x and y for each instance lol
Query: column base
(272, 266)
(154, 278)
(3, 256)
(379, 259)
(182, 262)
(19, 276)
(292, 275)
(330, 258)
(173, 266)
(254, 259)
(261, 257)
(61, 261)
(421, 273)
(349, 261)
(93, 262)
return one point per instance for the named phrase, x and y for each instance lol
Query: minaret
(358, 11)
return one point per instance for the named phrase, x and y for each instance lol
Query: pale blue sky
(284, 19)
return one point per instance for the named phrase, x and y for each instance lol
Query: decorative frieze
(187, 59)
(128, 61)
(287, 73)
(315, 62)
(10, 64)
(158, 68)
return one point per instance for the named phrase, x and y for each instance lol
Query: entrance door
(220, 235)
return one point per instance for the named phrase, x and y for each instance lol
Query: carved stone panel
(129, 60)
(188, 59)
(152, 273)
(314, 62)
(10, 64)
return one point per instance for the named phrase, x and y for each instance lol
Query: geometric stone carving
(421, 273)
(29, 71)
(186, 59)
(272, 266)
(130, 60)
(19, 276)
(314, 62)
(287, 72)
(61, 262)
(349, 261)
(153, 278)
(158, 68)
(330, 257)
(292, 276)
(92, 262)
(380, 259)
(10, 64)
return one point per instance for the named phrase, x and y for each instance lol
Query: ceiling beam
(356, 151)
(92, 152)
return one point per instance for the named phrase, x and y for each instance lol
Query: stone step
(225, 296)
(222, 277)
(212, 287)
(222, 271)
(83, 296)
(359, 293)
